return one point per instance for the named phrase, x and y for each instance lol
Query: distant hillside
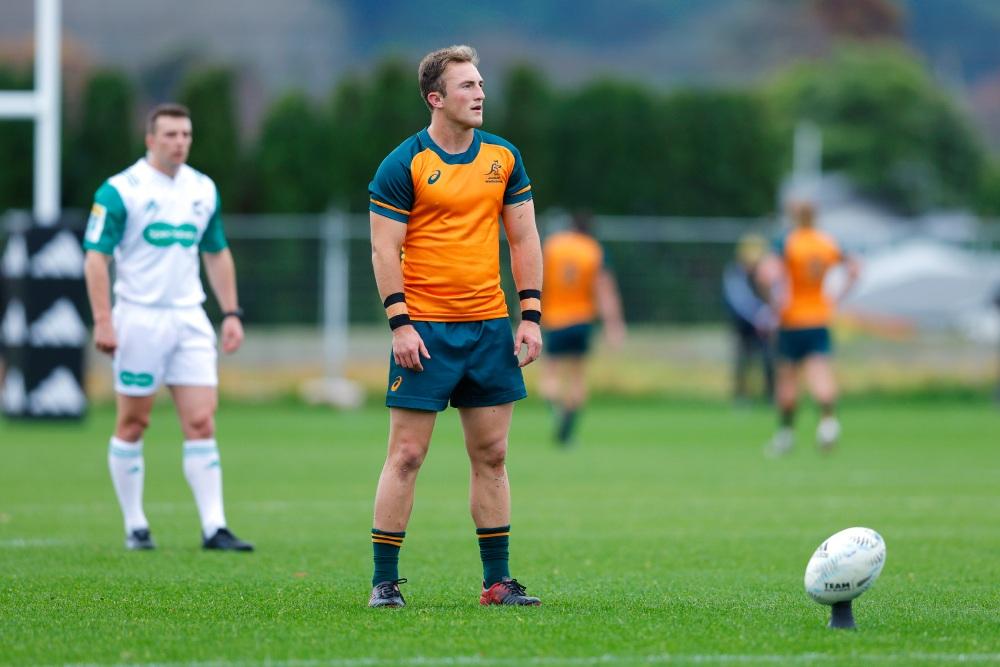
(309, 44)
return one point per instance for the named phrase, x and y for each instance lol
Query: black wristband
(399, 321)
(529, 294)
(531, 315)
(395, 297)
(238, 314)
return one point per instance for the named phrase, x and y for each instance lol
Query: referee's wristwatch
(237, 313)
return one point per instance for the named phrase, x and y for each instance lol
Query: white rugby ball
(845, 565)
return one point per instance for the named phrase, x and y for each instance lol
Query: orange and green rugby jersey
(572, 264)
(451, 206)
(808, 254)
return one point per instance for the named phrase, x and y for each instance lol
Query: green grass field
(664, 537)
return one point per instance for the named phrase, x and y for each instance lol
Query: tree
(719, 155)
(348, 183)
(210, 96)
(885, 124)
(391, 111)
(988, 199)
(16, 145)
(293, 157)
(527, 121)
(104, 141)
(607, 145)
(369, 121)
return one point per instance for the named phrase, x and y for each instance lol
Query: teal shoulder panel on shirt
(106, 224)
(391, 191)
(518, 184)
(214, 238)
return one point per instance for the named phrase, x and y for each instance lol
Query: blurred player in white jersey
(155, 218)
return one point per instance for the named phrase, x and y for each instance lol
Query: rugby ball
(845, 565)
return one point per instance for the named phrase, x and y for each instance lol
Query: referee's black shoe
(223, 540)
(139, 540)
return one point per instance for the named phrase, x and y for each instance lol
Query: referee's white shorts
(156, 346)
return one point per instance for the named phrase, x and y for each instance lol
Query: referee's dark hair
(170, 109)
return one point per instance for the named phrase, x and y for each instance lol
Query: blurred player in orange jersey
(793, 279)
(435, 203)
(579, 287)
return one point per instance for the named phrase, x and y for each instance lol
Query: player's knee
(130, 427)
(407, 457)
(200, 426)
(493, 455)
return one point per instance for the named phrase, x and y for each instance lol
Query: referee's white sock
(204, 474)
(128, 470)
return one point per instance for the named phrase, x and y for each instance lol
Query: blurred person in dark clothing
(753, 321)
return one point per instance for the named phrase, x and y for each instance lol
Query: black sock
(566, 425)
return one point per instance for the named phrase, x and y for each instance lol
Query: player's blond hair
(170, 109)
(430, 73)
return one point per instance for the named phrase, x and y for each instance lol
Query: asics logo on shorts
(130, 379)
(395, 383)
(163, 234)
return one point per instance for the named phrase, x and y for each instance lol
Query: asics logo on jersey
(494, 175)
(395, 383)
(130, 379)
(163, 234)
(434, 177)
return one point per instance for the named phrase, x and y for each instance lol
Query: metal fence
(316, 269)
(296, 269)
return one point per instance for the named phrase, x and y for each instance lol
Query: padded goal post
(42, 300)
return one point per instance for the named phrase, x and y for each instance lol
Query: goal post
(42, 294)
(41, 105)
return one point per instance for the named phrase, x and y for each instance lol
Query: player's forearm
(526, 263)
(98, 279)
(221, 272)
(853, 271)
(608, 302)
(388, 270)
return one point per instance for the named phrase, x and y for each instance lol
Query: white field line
(25, 543)
(598, 660)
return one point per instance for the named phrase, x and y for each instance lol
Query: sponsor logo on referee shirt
(163, 234)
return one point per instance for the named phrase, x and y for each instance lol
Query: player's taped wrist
(395, 297)
(396, 310)
(531, 305)
(531, 316)
(399, 321)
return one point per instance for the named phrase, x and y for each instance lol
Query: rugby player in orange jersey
(793, 280)
(579, 287)
(436, 203)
